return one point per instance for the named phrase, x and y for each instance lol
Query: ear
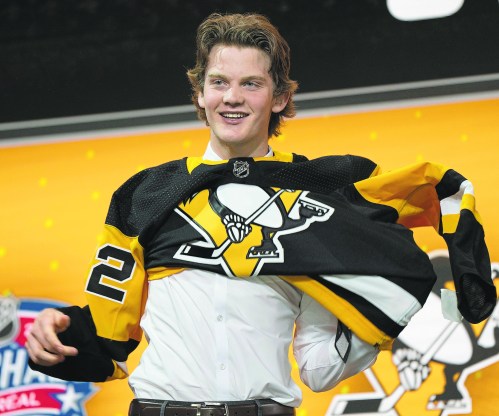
(280, 102)
(201, 99)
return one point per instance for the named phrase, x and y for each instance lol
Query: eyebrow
(244, 79)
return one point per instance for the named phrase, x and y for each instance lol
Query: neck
(229, 151)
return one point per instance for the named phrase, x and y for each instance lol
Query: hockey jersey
(334, 227)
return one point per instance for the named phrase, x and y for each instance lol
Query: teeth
(233, 115)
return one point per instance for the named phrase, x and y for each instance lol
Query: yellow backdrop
(54, 198)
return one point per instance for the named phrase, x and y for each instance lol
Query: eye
(251, 84)
(217, 82)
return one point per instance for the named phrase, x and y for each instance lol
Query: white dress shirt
(218, 338)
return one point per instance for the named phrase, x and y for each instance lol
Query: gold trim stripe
(343, 310)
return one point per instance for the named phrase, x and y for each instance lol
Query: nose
(233, 96)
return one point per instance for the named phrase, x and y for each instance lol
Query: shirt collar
(210, 154)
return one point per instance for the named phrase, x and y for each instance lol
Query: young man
(217, 259)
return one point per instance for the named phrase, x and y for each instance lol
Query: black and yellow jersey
(335, 227)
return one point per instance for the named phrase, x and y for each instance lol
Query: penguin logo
(241, 225)
(430, 363)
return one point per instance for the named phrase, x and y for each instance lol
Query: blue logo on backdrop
(22, 390)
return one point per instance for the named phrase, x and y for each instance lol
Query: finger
(46, 335)
(40, 356)
(44, 330)
(52, 344)
(61, 321)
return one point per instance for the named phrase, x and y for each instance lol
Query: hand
(42, 344)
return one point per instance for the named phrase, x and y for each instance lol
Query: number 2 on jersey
(115, 264)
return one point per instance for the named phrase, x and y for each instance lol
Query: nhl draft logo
(22, 390)
(240, 225)
(430, 362)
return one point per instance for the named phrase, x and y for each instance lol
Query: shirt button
(222, 366)
(220, 318)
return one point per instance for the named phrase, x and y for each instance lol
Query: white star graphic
(69, 399)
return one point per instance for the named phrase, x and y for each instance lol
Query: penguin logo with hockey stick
(240, 225)
(430, 362)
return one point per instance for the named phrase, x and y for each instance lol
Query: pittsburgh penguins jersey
(334, 227)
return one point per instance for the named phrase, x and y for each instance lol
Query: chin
(234, 139)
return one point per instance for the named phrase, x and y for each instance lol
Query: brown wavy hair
(245, 30)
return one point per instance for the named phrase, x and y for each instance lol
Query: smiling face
(238, 100)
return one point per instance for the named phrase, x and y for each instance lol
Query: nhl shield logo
(9, 324)
(241, 169)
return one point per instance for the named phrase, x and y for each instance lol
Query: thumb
(61, 322)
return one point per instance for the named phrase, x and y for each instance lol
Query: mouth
(233, 115)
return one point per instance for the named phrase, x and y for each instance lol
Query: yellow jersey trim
(343, 310)
(118, 373)
(157, 273)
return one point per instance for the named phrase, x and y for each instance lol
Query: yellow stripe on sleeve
(343, 310)
(468, 202)
(118, 373)
(449, 223)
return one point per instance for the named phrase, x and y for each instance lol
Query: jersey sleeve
(429, 194)
(98, 359)
(107, 329)
(116, 287)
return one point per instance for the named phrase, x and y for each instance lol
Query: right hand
(42, 343)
